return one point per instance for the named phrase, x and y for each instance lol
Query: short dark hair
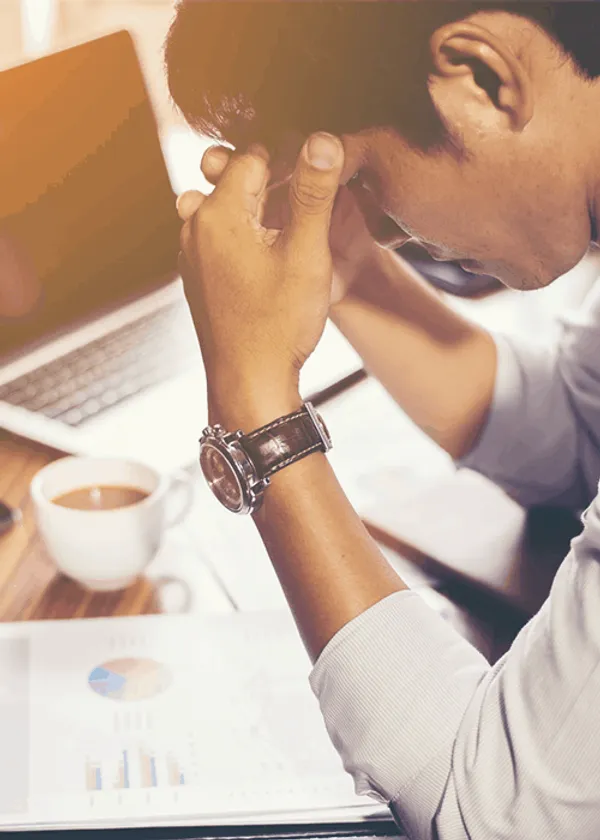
(242, 71)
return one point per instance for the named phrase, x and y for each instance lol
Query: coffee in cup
(103, 519)
(101, 497)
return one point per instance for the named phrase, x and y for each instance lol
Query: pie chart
(130, 679)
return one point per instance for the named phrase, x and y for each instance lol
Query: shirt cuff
(393, 685)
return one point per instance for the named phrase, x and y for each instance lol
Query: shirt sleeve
(539, 442)
(461, 750)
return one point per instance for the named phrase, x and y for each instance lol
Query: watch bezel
(228, 445)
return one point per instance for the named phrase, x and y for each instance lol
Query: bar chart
(93, 776)
(137, 768)
(122, 782)
(148, 768)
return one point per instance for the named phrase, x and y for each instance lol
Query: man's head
(474, 125)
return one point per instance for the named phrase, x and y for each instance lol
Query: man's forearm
(439, 367)
(328, 565)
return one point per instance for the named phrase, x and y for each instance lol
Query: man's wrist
(235, 404)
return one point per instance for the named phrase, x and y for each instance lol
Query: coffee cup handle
(180, 498)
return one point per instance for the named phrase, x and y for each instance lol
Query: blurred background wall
(33, 27)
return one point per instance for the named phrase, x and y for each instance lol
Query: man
(474, 130)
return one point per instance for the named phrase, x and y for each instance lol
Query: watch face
(221, 477)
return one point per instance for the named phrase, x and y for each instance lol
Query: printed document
(138, 721)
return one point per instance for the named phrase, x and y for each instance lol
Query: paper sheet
(178, 719)
(465, 522)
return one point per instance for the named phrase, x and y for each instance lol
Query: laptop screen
(87, 213)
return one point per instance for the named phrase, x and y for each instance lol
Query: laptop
(99, 354)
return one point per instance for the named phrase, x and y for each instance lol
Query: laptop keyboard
(104, 373)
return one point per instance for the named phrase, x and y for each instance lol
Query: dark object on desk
(8, 518)
(449, 276)
(337, 388)
(365, 830)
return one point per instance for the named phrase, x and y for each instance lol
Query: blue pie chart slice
(107, 683)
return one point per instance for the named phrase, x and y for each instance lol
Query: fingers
(276, 215)
(214, 162)
(242, 186)
(313, 189)
(242, 182)
(189, 203)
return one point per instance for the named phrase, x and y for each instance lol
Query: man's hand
(260, 297)
(349, 238)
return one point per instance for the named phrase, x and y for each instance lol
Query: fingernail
(217, 156)
(323, 151)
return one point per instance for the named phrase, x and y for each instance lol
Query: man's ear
(476, 69)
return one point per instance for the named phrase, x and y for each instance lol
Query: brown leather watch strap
(286, 440)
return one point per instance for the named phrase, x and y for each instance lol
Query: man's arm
(519, 411)
(459, 750)
(329, 567)
(438, 366)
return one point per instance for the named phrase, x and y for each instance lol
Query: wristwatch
(238, 467)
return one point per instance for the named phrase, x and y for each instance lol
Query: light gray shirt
(460, 749)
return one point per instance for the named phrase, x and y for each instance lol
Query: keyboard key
(73, 417)
(95, 389)
(30, 391)
(57, 408)
(40, 401)
(91, 407)
(109, 397)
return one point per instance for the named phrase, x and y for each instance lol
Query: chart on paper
(137, 768)
(133, 678)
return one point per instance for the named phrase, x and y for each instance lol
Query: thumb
(313, 189)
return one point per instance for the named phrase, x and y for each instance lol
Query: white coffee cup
(106, 550)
